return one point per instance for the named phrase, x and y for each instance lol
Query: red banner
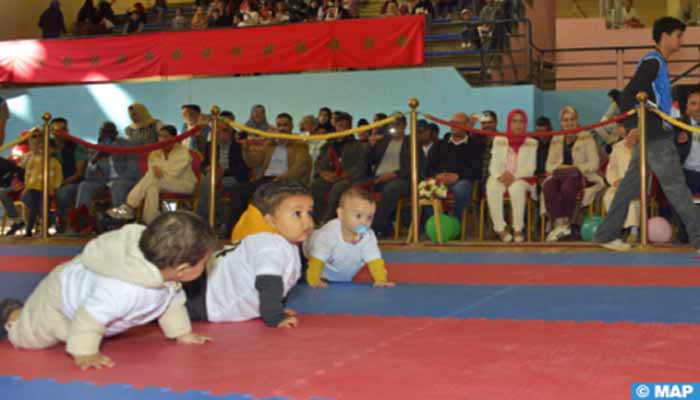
(357, 43)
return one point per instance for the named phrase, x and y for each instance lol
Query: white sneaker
(558, 233)
(616, 245)
(121, 212)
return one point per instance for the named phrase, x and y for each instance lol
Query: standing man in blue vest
(662, 157)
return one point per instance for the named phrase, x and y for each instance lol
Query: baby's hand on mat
(289, 312)
(319, 285)
(384, 284)
(97, 361)
(193, 338)
(289, 322)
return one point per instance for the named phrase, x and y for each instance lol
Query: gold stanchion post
(413, 234)
(45, 179)
(642, 131)
(213, 161)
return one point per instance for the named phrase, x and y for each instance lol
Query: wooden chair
(530, 209)
(182, 199)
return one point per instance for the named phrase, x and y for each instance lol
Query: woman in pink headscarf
(513, 163)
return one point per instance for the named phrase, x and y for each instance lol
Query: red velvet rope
(130, 149)
(532, 134)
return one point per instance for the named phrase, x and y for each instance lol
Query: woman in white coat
(573, 163)
(617, 167)
(513, 161)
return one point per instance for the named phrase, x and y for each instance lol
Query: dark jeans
(391, 192)
(664, 161)
(692, 179)
(32, 199)
(326, 197)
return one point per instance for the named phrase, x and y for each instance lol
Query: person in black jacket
(231, 170)
(458, 162)
(51, 21)
(688, 145)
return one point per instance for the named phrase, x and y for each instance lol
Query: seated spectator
(73, 159)
(395, 189)
(308, 127)
(135, 23)
(88, 19)
(573, 162)
(424, 7)
(364, 135)
(106, 13)
(385, 7)
(179, 22)
(630, 17)
(169, 170)
(349, 9)
(688, 145)
(216, 19)
(392, 10)
(543, 124)
(608, 135)
(341, 164)
(141, 10)
(281, 13)
(251, 17)
(144, 128)
(34, 177)
(616, 170)
(511, 169)
(458, 162)
(192, 114)
(270, 160)
(489, 122)
(119, 173)
(13, 181)
(231, 170)
(258, 118)
(51, 21)
(324, 120)
(216, 5)
(160, 8)
(199, 19)
(388, 167)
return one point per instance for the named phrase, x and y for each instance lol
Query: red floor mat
(508, 274)
(30, 263)
(345, 357)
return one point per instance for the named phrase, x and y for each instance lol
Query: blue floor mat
(553, 303)
(41, 389)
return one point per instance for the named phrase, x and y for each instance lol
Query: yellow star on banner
(402, 40)
(206, 52)
(121, 59)
(301, 47)
(236, 51)
(368, 43)
(177, 54)
(269, 49)
(149, 56)
(334, 44)
(94, 60)
(67, 61)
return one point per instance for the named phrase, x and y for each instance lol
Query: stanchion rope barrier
(307, 138)
(129, 149)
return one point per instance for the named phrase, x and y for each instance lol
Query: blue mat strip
(552, 303)
(13, 387)
(544, 259)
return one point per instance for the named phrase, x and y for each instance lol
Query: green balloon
(450, 229)
(455, 227)
(590, 226)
